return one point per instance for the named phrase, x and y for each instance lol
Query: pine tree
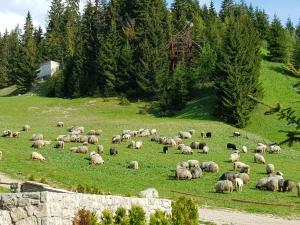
(277, 41)
(39, 41)
(212, 10)
(239, 71)
(4, 54)
(261, 23)
(226, 8)
(27, 68)
(296, 55)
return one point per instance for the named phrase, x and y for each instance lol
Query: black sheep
(208, 135)
(165, 149)
(231, 146)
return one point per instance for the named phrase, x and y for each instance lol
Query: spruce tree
(261, 22)
(39, 41)
(277, 41)
(238, 71)
(27, 67)
(4, 54)
(296, 55)
(227, 7)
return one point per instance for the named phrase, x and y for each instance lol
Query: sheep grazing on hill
(1, 154)
(96, 159)
(155, 138)
(181, 146)
(113, 151)
(16, 134)
(274, 149)
(186, 150)
(231, 146)
(244, 149)
(153, 131)
(238, 165)
(169, 142)
(288, 185)
(7, 133)
(279, 173)
(205, 149)
(133, 165)
(228, 176)
(270, 168)
(36, 137)
(165, 149)
(192, 132)
(126, 137)
(196, 172)
(138, 144)
(269, 183)
(185, 134)
(238, 184)
(60, 124)
(193, 163)
(236, 134)
(202, 134)
(177, 140)
(195, 145)
(37, 156)
(80, 149)
(93, 139)
(245, 169)
(244, 176)
(234, 157)
(116, 139)
(98, 132)
(183, 165)
(81, 138)
(60, 144)
(261, 148)
(224, 186)
(183, 174)
(26, 128)
(298, 189)
(145, 133)
(211, 167)
(76, 130)
(209, 134)
(259, 158)
(100, 149)
(202, 145)
(91, 154)
(131, 144)
(149, 193)
(40, 143)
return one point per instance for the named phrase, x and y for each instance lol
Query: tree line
(120, 47)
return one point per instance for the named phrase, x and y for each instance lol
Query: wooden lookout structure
(182, 47)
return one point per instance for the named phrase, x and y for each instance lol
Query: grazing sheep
(244, 176)
(238, 184)
(26, 128)
(201, 145)
(149, 193)
(116, 139)
(7, 133)
(238, 165)
(259, 158)
(204, 165)
(76, 129)
(165, 149)
(183, 165)
(186, 150)
(260, 148)
(91, 154)
(138, 144)
(193, 163)
(183, 173)
(155, 138)
(196, 172)
(131, 144)
(60, 137)
(279, 173)
(274, 149)
(96, 159)
(177, 140)
(203, 134)
(169, 142)
(181, 146)
(153, 131)
(270, 168)
(228, 176)
(36, 137)
(93, 139)
(98, 132)
(213, 168)
(60, 144)
(185, 135)
(192, 132)
(126, 137)
(91, 132)
(100, 149)
(38, 144)
(113, 151)
(208, 134)
(16, 134)
(37, 156)
(234, 157)
(82, 138)
(195, 145)
(80, 149)
(205, 149)
(288, 185)
(1, 155)
(236, 134)
(60, 124)
(269, 183)
(133, 165)
(245, 169)
(231, 146)
(145, 133)
(224, 186)
(298, 189)
(244, 149)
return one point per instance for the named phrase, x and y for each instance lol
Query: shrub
(31, 177)
(184, 212)
(137, 216)
(85, 217)
(80, 188)
(43, 180)
(124, 101)
(107, 218)
(121, 217)
(160, 218)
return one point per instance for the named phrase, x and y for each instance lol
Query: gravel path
(223, 216)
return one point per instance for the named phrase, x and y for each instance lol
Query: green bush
(185, 212)
(85, 217)
(160, 218)
(124, 101)
(137, 216)
(31, 177)
(107, 218)
(121, 217)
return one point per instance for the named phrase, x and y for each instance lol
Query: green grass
(65, 169)
(4, 190)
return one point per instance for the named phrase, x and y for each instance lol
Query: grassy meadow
(64, 169)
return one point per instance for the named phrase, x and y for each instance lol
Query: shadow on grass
(281, 70)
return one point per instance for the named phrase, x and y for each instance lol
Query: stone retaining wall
(48, 208)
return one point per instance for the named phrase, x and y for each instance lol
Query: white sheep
(60, 144)
(126, 136)
(205, 149)
(37, 156)
(153, 131)
(60, 124)
(259, 158)
(26, 128)
(116, 139)
(238, 165)
(96, 159)
(185, 135)
(238, 183)
(36, 137)
(244, 149)
(93, 139)
(193, 163)
(183, 173)
(275, 149)
(133, 165)
(138, 144)
(224, 186)
(234, 157)
(270, 168)
(186, 150)
(260, 148)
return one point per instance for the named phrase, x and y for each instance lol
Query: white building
(47, 69)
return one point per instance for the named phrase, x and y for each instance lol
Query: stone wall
(48, 208)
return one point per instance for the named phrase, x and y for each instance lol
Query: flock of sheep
(191, 169)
